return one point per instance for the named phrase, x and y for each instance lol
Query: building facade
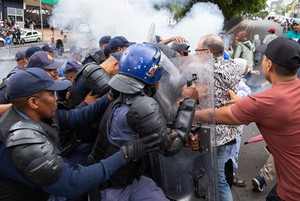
(14, 9)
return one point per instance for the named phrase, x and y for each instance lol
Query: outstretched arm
(220, 116)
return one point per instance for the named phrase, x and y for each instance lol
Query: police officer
(136, 114)
(21, 62)
(31, 165)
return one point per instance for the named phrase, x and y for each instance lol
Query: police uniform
(132, 115)
(30, 160)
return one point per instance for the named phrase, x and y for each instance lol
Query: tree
(230, 8)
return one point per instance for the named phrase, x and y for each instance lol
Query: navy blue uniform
(71, 182)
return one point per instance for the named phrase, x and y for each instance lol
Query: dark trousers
(273, 195)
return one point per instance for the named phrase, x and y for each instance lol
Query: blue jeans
(224, 189)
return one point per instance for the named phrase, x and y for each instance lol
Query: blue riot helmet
(140, 67)
(143, 62)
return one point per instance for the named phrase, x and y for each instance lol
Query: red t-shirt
(276, 113)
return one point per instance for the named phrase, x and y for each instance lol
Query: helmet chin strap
(149, 90)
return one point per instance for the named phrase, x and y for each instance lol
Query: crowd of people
(86, 129)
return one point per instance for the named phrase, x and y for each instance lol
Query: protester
(52, 43)
(59, 48)
(276, 114)
(244, 49)
(65, 34)
(226, 75)
(269, 37)
(286, 26)
(232, 151)
(30, 169)
(256, 42)
(266, 174)
(295, 32)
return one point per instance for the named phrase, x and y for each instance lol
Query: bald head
(212, 42)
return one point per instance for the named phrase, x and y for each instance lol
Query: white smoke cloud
(132, 19)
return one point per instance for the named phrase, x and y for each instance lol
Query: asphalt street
(252, 156)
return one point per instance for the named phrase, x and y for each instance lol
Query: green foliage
(262, 14)
(230, 8)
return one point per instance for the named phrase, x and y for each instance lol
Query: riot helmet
(140, 67)
(143, 62)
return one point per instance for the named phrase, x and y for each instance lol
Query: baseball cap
(184, 47)
(158, 38)
(107, 50)
(104, 40)
(31, 50)
(282, 51)
(296, 21)
(272, 30)
(72, 65)
(31, 81)
(20, 55)
(47, 48)
(119, 41)
(166, 50)
(117, 55)
(43, 60)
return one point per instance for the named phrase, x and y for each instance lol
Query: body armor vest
(14, 189)
(103, 149)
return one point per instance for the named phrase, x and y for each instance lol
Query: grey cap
(166, 50)
(183, 47)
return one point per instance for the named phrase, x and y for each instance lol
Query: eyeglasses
(201, 50)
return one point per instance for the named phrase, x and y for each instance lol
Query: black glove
(137, 149)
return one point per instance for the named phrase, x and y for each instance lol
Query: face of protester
(266, 63)
(201, 50)
(53, 73)
(44, 104)
(296, 27)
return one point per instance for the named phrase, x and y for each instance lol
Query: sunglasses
(201, 50)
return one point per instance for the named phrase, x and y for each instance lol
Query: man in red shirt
(276, 113)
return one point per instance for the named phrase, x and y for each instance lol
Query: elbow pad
(33, 153)
(184, 119)
(96, 78)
